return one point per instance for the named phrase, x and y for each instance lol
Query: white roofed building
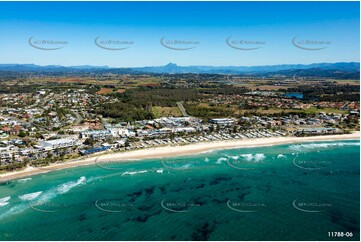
(57, 143)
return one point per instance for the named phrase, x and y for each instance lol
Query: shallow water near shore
(285, 192)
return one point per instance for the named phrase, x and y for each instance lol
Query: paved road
(78, 118)
(182, 109)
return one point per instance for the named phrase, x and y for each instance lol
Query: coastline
(169, 151)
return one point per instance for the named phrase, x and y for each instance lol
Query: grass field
(166, 111)
(104, 91)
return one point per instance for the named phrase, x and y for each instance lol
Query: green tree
(22, 134)
(89, 142)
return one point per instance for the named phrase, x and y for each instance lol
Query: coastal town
(180, 121)
(47, 126)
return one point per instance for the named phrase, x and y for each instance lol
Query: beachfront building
(120, 131)
(96, 134)
(223, 121)
(154, 132)
(184, 130)
(57, 143)
(317, 131)
(8, 156)
(187, 119)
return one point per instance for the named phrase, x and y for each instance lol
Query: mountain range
(172, 68)
(339, 70)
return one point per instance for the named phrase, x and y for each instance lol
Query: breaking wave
(322, 145)
(40, 198)
(219, 160)
(134, 172)
(29, 196)
(14, 210)
(255, 157)
(24, 180)
(2, 204)
(63, 188)
(4, 201)
(235, 157)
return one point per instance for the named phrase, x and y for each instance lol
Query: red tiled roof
(6, 129)
(17, 127)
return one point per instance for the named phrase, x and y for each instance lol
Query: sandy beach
(168, 151)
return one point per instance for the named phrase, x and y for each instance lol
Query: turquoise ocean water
(286, 192)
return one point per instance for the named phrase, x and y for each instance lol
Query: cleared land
(166, 111)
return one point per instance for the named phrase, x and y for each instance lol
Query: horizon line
(60, 65)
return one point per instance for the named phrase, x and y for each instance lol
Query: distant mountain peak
(170, 64)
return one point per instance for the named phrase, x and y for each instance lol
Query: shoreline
(170, 151)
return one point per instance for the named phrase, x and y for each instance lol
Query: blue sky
(208, 24)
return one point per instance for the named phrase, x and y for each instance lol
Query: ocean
(286, 192)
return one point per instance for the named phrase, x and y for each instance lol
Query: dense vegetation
(208, 112)
(125, 111)
(137, 104)
(158, 96)
(329, 92)
(17, 88)
(224, 90)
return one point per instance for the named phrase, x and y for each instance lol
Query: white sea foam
(134, 172)
(66, 187)
(24, 180)
(322, 145)
(281, 156)
(259, 157)
(235, 157)
(4, 201)
(29, 196)
(2, 204)
(94, 178)
(14, 210)
(43, 197)
(159, 171)
(207, 151)
(255, 157)
(60, 189)
(247, 157)
(186, 166)
(219, 160)
(206, 159)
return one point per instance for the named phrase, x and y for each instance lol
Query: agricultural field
(104, 91)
